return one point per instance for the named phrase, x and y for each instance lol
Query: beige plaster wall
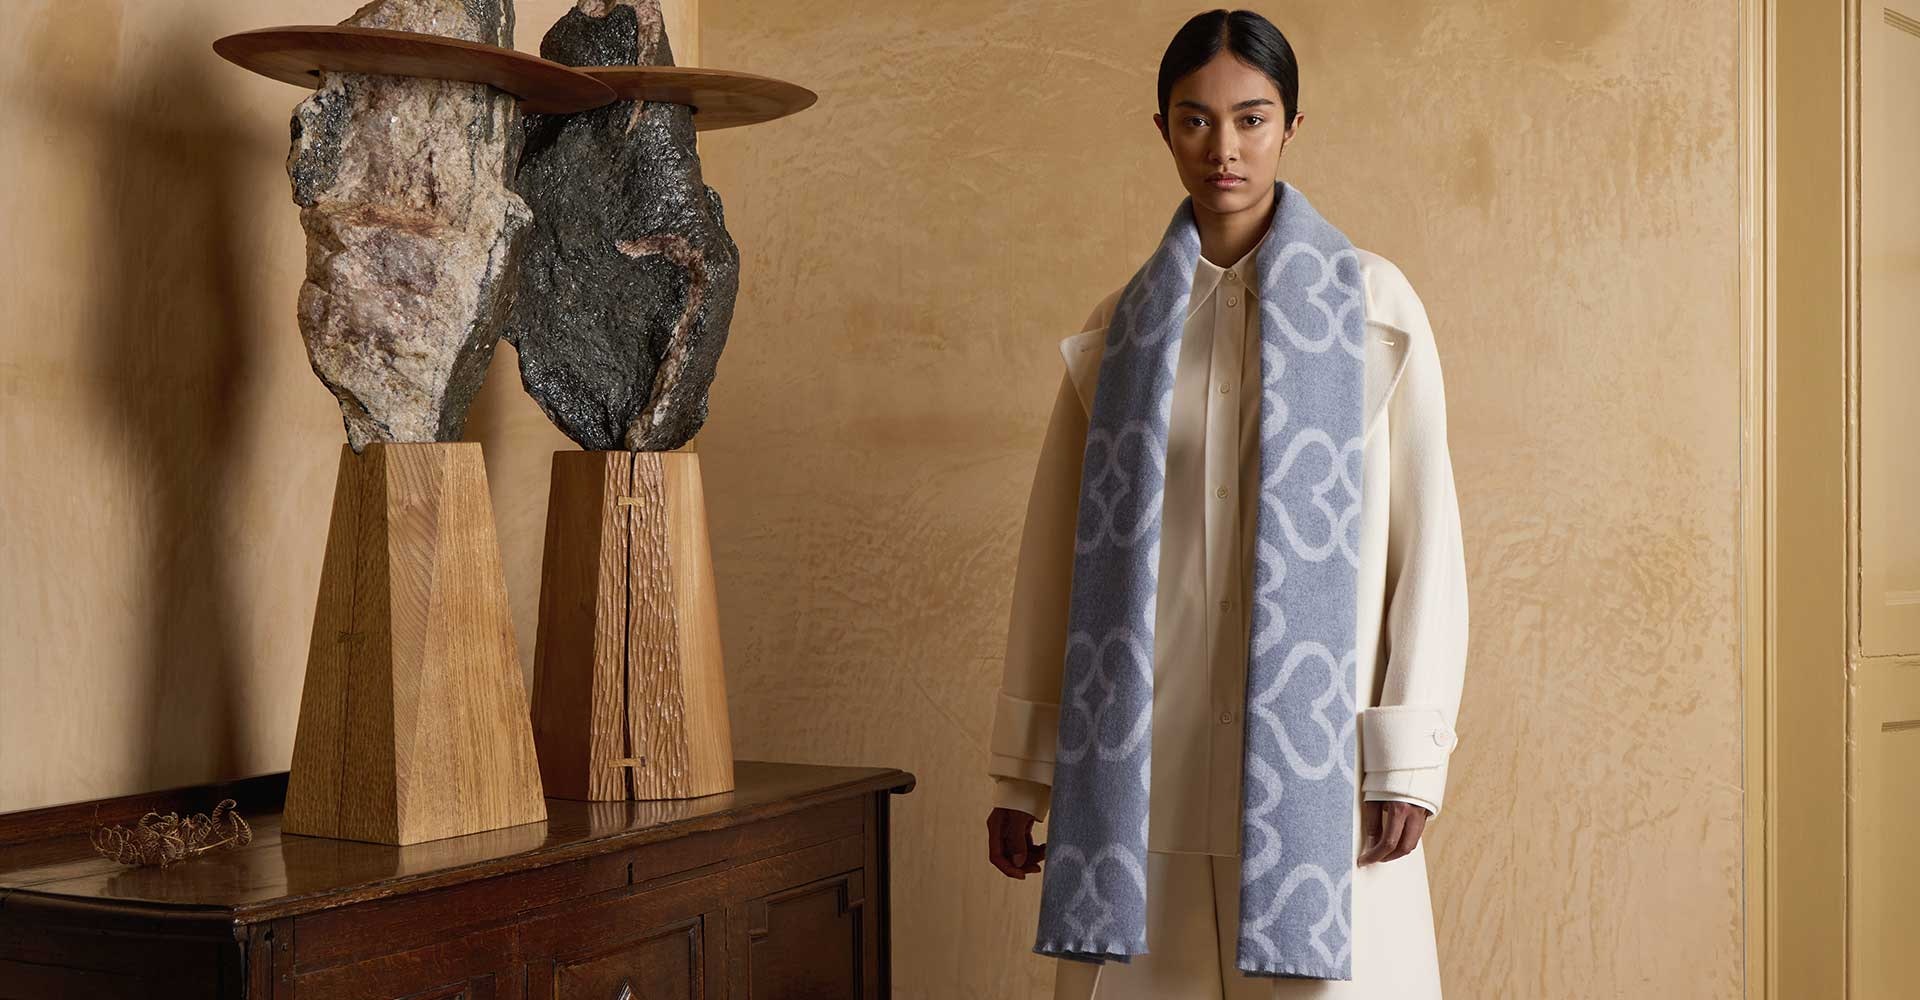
(167, 457)
(1558, 181)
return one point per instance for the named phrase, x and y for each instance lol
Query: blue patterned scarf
(1297, 796)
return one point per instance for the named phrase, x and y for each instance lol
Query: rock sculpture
(412, 229)
(628, 278)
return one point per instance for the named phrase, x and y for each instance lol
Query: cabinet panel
(368, 983)
(468, 967)
(416, 920)
(480, 989)
(673, 938)
(667, 965)
(52, 948)
(650, 945)
(807, 941)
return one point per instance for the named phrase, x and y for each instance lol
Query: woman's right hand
(1010, 843)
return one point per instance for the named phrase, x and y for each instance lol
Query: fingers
(996, 843)
(1388, 837)
(1010, 845)
(1399, 830)
(1416, 823)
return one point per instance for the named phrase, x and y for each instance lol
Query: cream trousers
(1193, 910)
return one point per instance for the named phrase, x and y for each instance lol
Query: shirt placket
(1228, 499)
(1183, 628)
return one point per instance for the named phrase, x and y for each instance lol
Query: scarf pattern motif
(1298, 789)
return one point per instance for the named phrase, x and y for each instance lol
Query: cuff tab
(1397, 737)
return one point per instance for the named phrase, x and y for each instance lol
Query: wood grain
(708, 727)
(656, 698)
(630, 684)
(719, 98)
(298, 54)
(656, 895)
(280, 874)
(413, 722)
(18, 828)
(579, 695)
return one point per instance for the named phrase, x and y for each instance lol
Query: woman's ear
(1160, 123)
(1287, 136)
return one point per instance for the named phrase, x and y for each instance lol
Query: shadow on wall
(169, 360)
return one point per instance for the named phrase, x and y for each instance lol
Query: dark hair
(1250, 37)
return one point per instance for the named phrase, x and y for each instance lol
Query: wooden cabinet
(776, 890)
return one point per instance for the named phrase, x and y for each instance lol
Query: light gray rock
(628, 280)
(412, 229)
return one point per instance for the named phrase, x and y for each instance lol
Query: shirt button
(1225, 605)
(1226, 718)
(1224, 386)
(1221, 492)
(1232, 301)
(1230, 275)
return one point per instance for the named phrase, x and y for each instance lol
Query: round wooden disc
(719, 98)
(298, 53)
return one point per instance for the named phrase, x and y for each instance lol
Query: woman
(1255, 347)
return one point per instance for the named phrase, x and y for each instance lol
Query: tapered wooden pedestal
(413, 721)
(630, 696)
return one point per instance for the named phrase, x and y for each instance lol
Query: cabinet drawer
(416, 920)
(668, 941)
(468, 967)
(663, 963)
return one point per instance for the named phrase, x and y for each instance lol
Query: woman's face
(1225, 124)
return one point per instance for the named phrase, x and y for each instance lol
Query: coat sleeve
(1408, 737)
(1026, 717)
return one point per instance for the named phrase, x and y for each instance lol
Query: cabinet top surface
(285, 873)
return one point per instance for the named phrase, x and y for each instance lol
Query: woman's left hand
(1389, 829)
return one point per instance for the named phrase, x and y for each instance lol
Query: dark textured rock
(628, 277)
(411, 229)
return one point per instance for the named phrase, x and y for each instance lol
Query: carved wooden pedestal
(630, 695)
(413, 721)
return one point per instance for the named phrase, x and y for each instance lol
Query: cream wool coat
(1412, 610)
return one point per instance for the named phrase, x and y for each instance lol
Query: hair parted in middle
(1251, 38)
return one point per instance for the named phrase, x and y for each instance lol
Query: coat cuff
(1396, 797)
(1426, 785)
(1020, 757)
(1025, 729)
(1003, 766)
(1404, 751)
(1030, 797)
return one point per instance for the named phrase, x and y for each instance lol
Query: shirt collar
(1207, 275)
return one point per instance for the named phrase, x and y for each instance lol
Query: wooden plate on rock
(719, 98)
(297, 54)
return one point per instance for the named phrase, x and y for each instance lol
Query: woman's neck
(1225, 238)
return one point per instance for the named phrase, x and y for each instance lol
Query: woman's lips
(1226, 182)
